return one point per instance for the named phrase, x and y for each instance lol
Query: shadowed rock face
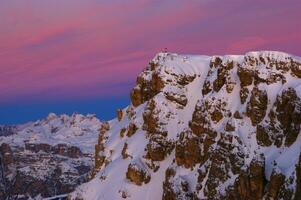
(221, 127)
(8, 130)
(283, 125)
(42, 169)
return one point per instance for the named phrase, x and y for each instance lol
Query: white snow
(76, 130)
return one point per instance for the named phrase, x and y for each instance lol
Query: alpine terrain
(200, 127)
(47, 157)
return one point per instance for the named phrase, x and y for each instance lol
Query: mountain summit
(201, 127)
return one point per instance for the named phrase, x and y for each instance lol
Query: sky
(84, 56)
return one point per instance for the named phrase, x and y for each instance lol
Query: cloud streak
(52, 50)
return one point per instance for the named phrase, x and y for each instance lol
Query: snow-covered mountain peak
(204, 127)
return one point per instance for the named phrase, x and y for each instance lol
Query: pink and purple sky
(74, 55)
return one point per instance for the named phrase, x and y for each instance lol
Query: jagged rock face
(221, 127)
(283, 125)
(45, 158)
(45, 173)
(137, 173)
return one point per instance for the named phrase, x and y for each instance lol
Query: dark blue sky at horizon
(104, 108)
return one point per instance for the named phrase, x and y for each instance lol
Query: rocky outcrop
(146, 88)
(256, 108)
(99, 148)
(283, 125)
(138, 174)
(119, 114)
(199, 127)
(176, 188)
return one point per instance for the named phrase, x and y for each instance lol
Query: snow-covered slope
(50, 156)
(75, 130)
(200, 127)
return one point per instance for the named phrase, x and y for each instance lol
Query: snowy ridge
(75, 130)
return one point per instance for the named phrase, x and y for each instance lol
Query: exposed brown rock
(215, 61)
(157, 83)
(206, 88)
(174, 190)
(220, 80)
(146, 89)
(150, 118)
(251, 183)
(276, 181)
(99, 148)
(104, 127)
(296, 68)
(123, 152)
(256, 179)
(199, 123)
(222, 161)
(237, 115)
(122, 132)
(230, 86)
(185, 79)
(180, 99)
(298, 181)
(189, 152)
(131, 129)
(119, 114)
(262, 136)
(243, 186)
(243, 93)
(229, 127)
(288, 108)
(245, 76)
(256, 108)
(158, 148)
(99, 159)
(136, 97)
(273, 78)
(137, 174)
(286, 112)
(217, 115)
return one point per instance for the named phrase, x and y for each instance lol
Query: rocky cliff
(200, 127)
(47, 157)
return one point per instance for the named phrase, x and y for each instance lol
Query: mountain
(201, 127)
(47, 157)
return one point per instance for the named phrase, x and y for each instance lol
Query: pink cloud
(66, 49)
(246, 43)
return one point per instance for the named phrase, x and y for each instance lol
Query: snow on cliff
(204, 127)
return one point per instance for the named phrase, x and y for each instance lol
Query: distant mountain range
(47, 157)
